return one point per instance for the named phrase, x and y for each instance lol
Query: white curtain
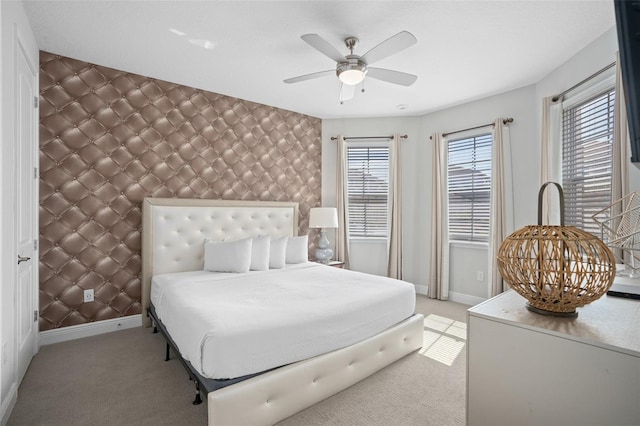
(501, 217)
(439, 262)
(342, 234)
(621, 143)
(394, 242)
(551, 158)
(621, 147)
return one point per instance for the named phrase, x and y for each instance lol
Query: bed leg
(153, 323)
(166, 357)
(198, 400)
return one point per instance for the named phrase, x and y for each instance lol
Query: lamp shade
(351, 77)
(352, 72)
(323, 217)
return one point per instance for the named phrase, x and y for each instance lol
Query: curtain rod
(335, 138)
(505, 121)
(594, 75)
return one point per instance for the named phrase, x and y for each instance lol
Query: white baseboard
(465, 299)
(8, 404)
(421, 289)
(73, 332)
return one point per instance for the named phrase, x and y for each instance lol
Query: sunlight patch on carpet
(444, 339)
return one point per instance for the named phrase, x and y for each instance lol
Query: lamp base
(572, 314)
(323, 252)
(324, 255)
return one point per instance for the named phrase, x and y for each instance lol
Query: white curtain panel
(342, 234)
(621, 147)
(621, 143)
(501, 217)
(439, 261)
(394, 242)
(551, 158)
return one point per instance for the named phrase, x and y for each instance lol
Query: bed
(262, 390)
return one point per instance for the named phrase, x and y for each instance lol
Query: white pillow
(260, 253)
(227, 256)
(297, 249)
(277, 252)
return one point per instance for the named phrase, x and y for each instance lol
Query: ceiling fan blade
(323, 46)
(391, 76)
(392, 45)
(347, 92)
(309, 76)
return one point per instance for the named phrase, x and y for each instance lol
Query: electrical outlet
(88, 295)
(480, 276)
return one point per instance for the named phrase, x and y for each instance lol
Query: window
(368, 190)
(587, 156)
(469, 181)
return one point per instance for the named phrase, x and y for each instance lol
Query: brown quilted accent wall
(109, 138)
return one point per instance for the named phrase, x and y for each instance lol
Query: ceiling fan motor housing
(352, 71)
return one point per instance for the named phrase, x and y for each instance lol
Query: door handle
(22, 259)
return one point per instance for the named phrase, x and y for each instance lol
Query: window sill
(369, 240)
(476, 245)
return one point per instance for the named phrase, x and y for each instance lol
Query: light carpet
(121, 378)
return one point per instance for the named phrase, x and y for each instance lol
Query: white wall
(14, 21)
(465, 262)
(600, 53)
(416, 179)
(524, 105)
(370, 256)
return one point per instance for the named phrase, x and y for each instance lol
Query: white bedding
(230, 325)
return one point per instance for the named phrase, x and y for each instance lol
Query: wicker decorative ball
(556, 268)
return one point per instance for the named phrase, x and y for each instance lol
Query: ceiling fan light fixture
(352, 69)
(351, 73)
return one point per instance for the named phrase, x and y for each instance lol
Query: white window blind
(368, 190)
(587, 155)
(469, 182)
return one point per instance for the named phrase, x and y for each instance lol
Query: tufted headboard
(174, 229)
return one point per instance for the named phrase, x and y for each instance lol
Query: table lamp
(323, 217)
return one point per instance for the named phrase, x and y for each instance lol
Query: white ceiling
(466, 49)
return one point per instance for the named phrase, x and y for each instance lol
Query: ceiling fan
(352, 69)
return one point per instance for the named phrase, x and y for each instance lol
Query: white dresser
(529, 369)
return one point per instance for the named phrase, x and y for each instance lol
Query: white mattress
(230, 325)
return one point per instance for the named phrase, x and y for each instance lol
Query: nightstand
(333, 263)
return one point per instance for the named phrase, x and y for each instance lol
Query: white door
(25, 191)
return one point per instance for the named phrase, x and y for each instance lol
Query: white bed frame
(173, 232)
